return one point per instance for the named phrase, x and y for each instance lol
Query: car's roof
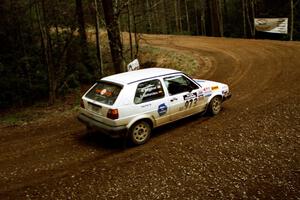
(134, 76)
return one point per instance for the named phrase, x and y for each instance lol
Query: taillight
(81, 104)
(113, 114)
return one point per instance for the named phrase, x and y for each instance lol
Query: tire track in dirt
(256, 66)
(43, 152)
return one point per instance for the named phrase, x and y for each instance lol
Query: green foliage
(23, 78)
(23, 68)
(158, 57)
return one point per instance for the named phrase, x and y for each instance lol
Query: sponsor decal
(215, 87)
(207, 95)
(162, 109)
(134, 65)
(207, 89)
(151, 90)
(192, 99)
(190, 96)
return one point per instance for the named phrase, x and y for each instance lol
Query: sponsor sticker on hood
(215, 87)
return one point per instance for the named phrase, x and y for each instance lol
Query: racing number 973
(190, 100)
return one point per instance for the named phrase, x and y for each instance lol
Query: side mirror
(190, 88)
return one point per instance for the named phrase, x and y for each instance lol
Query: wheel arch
(146, 118)
(215, 95)
(208, 110)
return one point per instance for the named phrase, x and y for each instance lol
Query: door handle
(174, 99)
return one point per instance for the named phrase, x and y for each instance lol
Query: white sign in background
(272, 25)
(134, 65)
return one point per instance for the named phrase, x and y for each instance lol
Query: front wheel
(140, 132)
(215, 105)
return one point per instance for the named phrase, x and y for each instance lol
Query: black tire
(215, 105)
(140, 132)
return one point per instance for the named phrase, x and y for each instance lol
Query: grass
(41, 110)
(13, 119)
(168, 59)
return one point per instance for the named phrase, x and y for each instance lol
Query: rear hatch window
(104, 92)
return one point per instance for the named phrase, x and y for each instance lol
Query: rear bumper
(113, 131)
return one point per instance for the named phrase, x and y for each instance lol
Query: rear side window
(103, 92)
(148, 91)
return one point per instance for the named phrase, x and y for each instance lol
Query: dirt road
(249, 151)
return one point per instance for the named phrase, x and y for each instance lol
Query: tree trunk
(251, 25)
(148, 13)
(135, 31)
(113, 31)
(176, 16)
(187, 16)
(47, 51)
(180, 15)
(80, 18)
(253, 3)
(196, 17)
(203, 20)
(136, 40)
(244, 17)
(292, 20)
(225, 18)
(85, 57)
(129, 30)
(293, 5)
(98, 39)
(220, 17)
(215, 24)
(156, 18)
(166, 18)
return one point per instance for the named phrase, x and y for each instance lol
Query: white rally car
(133, 103)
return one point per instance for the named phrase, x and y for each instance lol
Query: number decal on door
(190, 100)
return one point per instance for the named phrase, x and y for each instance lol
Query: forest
(46, 52)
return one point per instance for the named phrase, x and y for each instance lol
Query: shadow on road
(100, 141)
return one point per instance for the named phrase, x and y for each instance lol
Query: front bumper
(227, 96)
(113, 131)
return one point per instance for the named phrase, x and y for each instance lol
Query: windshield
(104, 92)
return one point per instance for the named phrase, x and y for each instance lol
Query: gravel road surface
(249, 151)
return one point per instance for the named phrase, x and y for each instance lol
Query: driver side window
(179, 84)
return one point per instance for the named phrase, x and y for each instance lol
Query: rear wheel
(140, 132)
(215, 105)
